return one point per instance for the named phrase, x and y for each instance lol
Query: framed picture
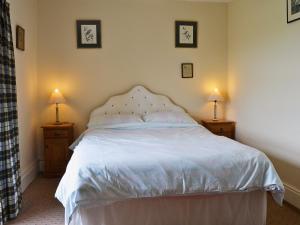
(187, 70)
(20, 38)
(185, 34)
(293, 10)
(88, 34)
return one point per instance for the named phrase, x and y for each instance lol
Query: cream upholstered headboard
(137, 101)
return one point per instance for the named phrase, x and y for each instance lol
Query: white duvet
(111, 165)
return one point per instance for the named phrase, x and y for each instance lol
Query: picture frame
(293, 10)
(88, 33)
(187, 70)
(20, 38)
(186, 34)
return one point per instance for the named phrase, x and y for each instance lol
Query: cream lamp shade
(215, 96)
(57, 97)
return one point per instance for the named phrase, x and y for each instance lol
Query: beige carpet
(40, 207)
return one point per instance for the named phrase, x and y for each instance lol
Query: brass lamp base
(57, 122)
(215, 111)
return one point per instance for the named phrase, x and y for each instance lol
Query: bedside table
(57, 139)
(221, 127)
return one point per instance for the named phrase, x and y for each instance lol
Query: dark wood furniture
(220, 127)
(57, 139)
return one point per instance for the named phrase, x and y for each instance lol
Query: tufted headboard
(137, 101)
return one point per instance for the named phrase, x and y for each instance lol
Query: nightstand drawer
(226, 134)
(56, 133)
(220, 129)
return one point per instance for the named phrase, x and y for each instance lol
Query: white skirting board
(28, 175)
(292, 195)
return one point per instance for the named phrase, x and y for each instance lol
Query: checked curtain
(10, 190)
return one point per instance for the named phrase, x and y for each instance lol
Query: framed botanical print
(187, 70)
(293, 10)
(20, 38)
(186, 34)
(88, 34)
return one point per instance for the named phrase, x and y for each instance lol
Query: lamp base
(57, 116)
(215, 119)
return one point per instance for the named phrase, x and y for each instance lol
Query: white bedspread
(110, 165)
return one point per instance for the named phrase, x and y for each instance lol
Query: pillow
(178, 118)
(114, 121)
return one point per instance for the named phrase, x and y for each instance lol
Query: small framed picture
(187, 70)
(293, 10)
(20, 38)
(88, 34)
(186, 34)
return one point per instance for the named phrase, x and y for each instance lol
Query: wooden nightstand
(57, 139)
(220, 127)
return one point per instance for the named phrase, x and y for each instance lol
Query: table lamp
(57, 98)
(215, 97)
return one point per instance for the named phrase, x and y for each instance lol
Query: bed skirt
(223, 209)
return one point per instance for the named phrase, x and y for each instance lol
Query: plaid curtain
(10, 188)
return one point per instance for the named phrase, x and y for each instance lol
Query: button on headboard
(137, 101)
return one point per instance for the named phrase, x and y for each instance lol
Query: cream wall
(24, 13)
(263, 82)
(138, 48)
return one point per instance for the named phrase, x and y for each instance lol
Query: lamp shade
(215, 96)
(57, 97)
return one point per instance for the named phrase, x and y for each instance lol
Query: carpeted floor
(40, 207)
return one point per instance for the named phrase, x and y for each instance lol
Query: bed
(143, 160)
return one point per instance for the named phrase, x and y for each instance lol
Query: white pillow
(179, 118)
(115, 121)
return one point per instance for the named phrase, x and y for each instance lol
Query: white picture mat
(184, 31)
(88, 34)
